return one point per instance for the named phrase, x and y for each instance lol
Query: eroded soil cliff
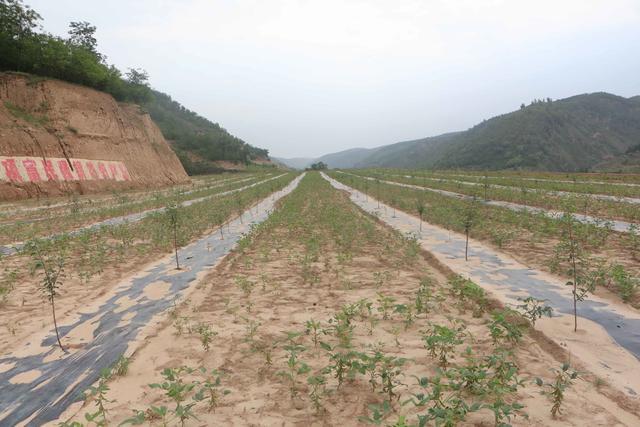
(58, 138)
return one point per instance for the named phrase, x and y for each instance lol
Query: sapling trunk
(466, 245)
(55, 323)
(175, 244)
(575, 281)
(172, 213)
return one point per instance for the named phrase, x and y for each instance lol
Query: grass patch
(16, 111)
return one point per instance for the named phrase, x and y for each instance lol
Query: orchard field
(356, 297)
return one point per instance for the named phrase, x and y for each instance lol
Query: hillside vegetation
(197, 141)
(574, 134)
(24, 47)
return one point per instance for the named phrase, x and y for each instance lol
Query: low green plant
(210, 389)
(178, 389)
(121, 367)
(341, 363)
(385, 305)
(295, 367)
(625, 283)
(314, 329)
(206, 334)
(555, 390)
(533, 309)
(441, 341)
(467, 293)
(317, 384)
(246, 286)
(503, 328)
(424, 296)
(99, 395)
(444, 404)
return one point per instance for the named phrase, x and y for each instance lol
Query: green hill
(572, 134)
(197, 141)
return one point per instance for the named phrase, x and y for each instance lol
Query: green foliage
(295, 366)
(555, 390)
(318, 166)
(37, 120)
(186, 387)
(441, 341)
(317, 384)
(121, 367)
(49, 259)
(504, 329)
(468, 294)
(74, 59)
(533, 309)
(99, 395)
(206, 335)
(543, 136)
(196, 140)
(626, 284)
(577, 261)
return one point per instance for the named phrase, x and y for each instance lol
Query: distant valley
(588, 132)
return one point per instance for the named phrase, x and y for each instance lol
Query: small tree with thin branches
(51, 268)
(173, 219)
(572, 249)
(469, 216)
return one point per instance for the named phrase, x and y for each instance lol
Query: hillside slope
(572, 134)
(201, 145)
(57, 137)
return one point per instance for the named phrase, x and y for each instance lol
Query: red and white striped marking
(37, 169)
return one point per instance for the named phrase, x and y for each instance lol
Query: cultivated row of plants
(68, 198)
(467, 370)
(332, 357)
(46, 222)
(623, 185)
(582, 252)
(582, 203)
(50, 263)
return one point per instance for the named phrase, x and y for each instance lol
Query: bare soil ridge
(54, 119)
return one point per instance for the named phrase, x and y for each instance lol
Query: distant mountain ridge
(573, 134)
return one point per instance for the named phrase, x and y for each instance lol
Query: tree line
(25, 47)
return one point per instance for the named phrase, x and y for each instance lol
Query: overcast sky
(310, 77)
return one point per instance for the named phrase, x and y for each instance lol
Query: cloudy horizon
(304, 78)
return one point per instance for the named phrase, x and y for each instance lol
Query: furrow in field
(608, 339)
(38, 381)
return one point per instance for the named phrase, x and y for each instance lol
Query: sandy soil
(286, 293)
